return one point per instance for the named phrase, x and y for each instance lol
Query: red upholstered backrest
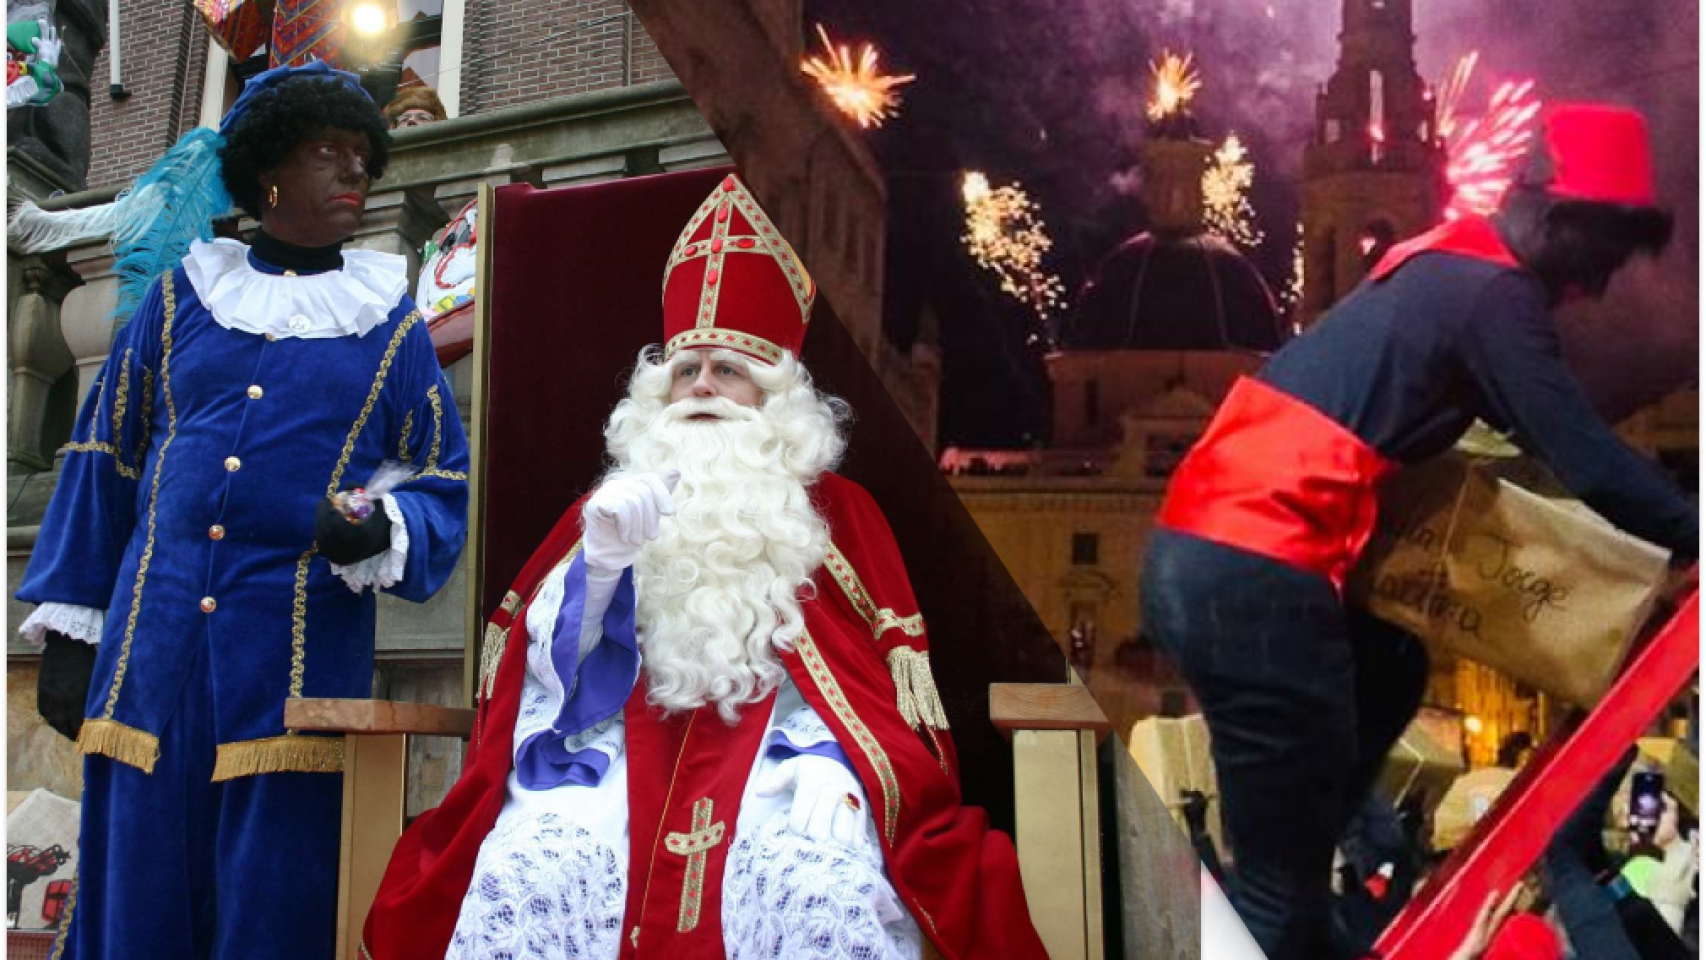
(577, 279)
(576, 293)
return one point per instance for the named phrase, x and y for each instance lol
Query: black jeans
(1303, 699)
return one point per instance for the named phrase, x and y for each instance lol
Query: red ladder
(1513, 834)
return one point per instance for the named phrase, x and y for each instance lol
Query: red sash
(1277, 477)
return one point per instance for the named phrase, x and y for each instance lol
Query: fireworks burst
(1006, 237)
(1174, 81)
(1482, 154)
(853, 83)
(1226, 195)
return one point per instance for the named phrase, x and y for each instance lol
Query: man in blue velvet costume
(192, 570)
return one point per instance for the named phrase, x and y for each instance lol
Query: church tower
(1373, 170)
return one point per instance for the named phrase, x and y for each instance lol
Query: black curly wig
(283, 117)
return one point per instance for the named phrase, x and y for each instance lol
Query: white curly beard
(719, 588)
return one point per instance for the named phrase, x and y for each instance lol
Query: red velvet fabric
(959, 878)
(575, 279)
(1275, 476)
(1467, 236)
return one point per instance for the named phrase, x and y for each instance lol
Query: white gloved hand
(828, 803)
(48, 44)
(1671, 885)
(622, 516)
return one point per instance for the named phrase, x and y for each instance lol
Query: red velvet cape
(959, 878)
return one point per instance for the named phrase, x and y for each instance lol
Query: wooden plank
(1091, 829)
(1049, 831)
(1045, 706)
(331, 715)
(375, 770)
(1507, 841)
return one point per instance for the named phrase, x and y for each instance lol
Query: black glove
(62, 688)
(343, 542)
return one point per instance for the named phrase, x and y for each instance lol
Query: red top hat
(733, 282)
(1599, 153)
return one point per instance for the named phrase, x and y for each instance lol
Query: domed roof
(1194, 293)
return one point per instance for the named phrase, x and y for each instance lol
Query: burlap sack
(1471, 559)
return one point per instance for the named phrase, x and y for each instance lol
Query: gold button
(255, 391)
(216, 532)
(271, 336)
(290, 273)
(233, 464)
(208, 605)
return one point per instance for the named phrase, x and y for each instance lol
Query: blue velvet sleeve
(1511, 350)
(94, 510)
(434, 502)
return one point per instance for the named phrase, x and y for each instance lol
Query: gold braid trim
(291, 752)
(169, 294)
(111, 450)
(881, 620)
(915, 689)
(127, 745)
(431, 469)
(403, 444)
(121, 398)
(806, 647)
(299, 604)
(65, 925)
(497, 638)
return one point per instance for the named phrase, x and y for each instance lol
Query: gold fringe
(127, 745)
(290, 752)
(915, 689)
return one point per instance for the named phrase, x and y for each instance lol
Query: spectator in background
(414, 106)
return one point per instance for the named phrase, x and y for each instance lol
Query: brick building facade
(511, 52)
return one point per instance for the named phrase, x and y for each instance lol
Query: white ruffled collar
(336, 303)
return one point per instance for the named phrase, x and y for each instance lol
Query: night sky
(1050, 93)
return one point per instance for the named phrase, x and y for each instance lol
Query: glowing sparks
(1174, 81)
(1483, 157)
(1293, 293)
(1226, 195)
(1006, 237)
(853, 82)
(1483, 153)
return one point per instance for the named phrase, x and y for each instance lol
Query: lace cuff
(381, 570)
(78, 623)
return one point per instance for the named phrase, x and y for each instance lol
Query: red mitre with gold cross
(733, 281)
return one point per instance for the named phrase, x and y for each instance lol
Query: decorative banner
(242, 27)
(304, 30)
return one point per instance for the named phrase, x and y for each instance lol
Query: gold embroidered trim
(792, 268)
(65, 925)
(169, 294)
(806, 647)
(101, 446)
(437, 428)
(915, 689)
(403, 444)
(710, 283)
(441, 474)
(491, 653)
(121, 399)
(717, 337)
(126, 744)
(881, 620)
(299, 603)
(289, 753)
(694, 846)
(491, 657)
